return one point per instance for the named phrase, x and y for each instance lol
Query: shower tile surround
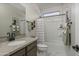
(40, 30)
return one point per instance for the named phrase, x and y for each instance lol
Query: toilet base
(42, 49)
(41, 53)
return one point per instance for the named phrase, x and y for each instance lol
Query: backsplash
(2, 39)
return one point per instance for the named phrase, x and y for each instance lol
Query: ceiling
(41, 6)
(19, 6)
(47, 5)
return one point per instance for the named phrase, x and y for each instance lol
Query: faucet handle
(8, 34)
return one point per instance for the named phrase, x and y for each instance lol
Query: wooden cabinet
(19, 53)
(30, 50)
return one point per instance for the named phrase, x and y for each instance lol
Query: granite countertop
(6, 50)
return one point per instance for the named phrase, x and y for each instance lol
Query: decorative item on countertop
(14, 27)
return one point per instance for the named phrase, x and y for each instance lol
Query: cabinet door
(31, 46)
(19, 53)
(32, 52)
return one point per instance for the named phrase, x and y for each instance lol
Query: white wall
(32, 13)
(73, 24)
(76, 14)
(8, 11)
(40, 30)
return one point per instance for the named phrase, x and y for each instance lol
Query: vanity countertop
(6, 50)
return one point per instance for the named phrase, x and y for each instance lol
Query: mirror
(8, 14)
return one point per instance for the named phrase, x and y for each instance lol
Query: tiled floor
(57, 48)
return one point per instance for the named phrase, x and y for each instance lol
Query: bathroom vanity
(30, 50)
(28, 47)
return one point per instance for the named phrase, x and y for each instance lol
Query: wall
(76, 13)
(40, 30)
(32, 13)
(73, 24)
(8, 11)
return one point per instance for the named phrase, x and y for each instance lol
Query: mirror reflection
(12, 19)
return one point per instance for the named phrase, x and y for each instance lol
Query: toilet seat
(42, 45)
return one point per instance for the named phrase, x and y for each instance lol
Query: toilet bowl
(42, 47)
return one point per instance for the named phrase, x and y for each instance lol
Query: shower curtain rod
(53, 16)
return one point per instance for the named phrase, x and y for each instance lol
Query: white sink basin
(15, 43)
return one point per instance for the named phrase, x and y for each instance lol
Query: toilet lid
(42, 45)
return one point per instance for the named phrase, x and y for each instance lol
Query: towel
(67, 35)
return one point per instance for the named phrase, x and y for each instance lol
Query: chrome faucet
(11, 36)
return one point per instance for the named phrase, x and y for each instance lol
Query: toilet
(42, 47)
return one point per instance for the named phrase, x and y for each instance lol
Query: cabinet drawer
(19, 53)
(32, 45)
(33, 52)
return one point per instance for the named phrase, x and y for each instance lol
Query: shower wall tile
(40, 29)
